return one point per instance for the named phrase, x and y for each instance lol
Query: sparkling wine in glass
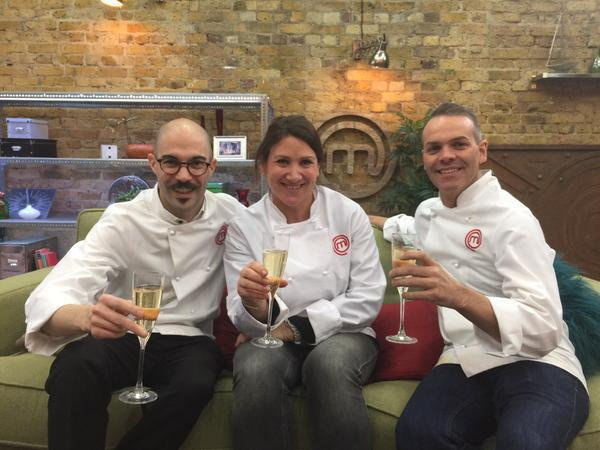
(275, 251)
(147, 293)
(401, 243)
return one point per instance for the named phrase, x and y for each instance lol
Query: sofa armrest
(13, 294)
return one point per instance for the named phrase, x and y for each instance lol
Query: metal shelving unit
(99, 163)
(201, 101)
(57, 221)
(550, 77)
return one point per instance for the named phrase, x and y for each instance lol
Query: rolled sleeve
(325, 319)
(398, 224)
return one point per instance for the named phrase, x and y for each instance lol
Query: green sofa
(23, 399)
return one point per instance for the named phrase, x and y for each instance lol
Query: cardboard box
(21, 127)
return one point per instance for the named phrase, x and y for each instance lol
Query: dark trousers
(181, 369)
(529, 405)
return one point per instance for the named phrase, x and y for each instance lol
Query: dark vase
(242, 195)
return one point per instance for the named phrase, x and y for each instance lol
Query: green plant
(127, 195)
(413, 185)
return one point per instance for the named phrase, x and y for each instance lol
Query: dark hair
(454, 109)
(284, 126)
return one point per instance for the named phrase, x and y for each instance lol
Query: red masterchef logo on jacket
(220, 237)
(341, 244)
(474, 239)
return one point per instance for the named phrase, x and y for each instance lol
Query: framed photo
(229, 147)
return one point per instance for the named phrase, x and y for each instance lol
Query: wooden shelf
(557, 77)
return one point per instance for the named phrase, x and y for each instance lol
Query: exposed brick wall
(481, 53)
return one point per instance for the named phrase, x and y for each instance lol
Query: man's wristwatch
(296, 333)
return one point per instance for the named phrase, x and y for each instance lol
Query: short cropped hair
(454, 109)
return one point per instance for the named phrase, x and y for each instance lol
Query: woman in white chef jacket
(334, 291)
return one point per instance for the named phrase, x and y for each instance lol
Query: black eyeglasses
(171, 166)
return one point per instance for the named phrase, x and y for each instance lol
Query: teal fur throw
(581, 312)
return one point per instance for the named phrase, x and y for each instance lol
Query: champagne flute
(401, 243)
(147, 293)
(275, 250)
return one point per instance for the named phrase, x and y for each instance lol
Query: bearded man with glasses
(81, 308)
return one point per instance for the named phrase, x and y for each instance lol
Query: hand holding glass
(401, 243)
(147, 293)
(275, 250)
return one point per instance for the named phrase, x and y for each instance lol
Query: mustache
(183, 185)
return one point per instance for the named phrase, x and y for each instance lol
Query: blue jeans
(528, 405)
(333, 373)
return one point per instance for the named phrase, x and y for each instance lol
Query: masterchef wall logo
(474, 239)
(341, 244)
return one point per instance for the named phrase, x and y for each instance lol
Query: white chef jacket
(333, 270)
(137, 235)
(492, 243)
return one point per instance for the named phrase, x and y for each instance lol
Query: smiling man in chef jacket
(508, 367)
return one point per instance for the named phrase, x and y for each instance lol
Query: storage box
(20, 127)
(43, 148)
(108, 151)
(16, 256)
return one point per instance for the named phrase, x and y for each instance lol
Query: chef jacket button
(208, 268)
(468, 219)
(172, 232)
(290, 278)
(456, 264)
(325, 272)
(177, 278)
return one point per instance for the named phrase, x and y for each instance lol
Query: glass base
(138, 396)
(401, 339)
(267, 342)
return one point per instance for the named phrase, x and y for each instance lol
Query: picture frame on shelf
(229, 147)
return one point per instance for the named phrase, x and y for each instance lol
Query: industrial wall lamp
(373, 49)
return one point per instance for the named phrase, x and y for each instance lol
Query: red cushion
(225, 334)
(407, 361)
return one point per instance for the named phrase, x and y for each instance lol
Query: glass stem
(402, 301)
(269, 315)
(139, 385)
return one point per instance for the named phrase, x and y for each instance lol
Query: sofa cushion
(407, 361)
(23, 408)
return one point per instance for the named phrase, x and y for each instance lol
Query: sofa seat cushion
(24, 404)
